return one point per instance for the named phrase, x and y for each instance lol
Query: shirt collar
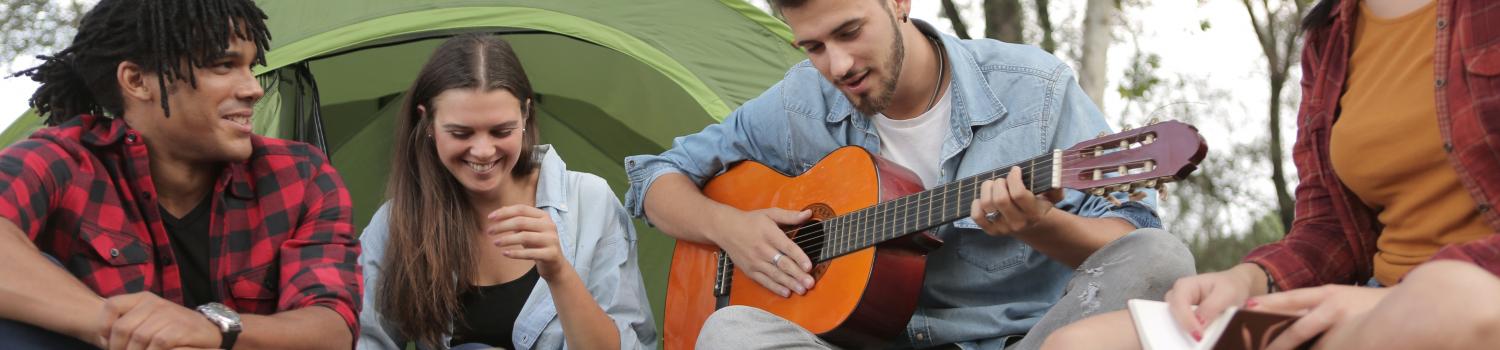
(551, 187)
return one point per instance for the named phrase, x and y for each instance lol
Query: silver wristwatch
(227, 320)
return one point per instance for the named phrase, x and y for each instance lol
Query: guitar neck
(924, 210)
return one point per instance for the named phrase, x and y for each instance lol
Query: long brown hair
(429, 261)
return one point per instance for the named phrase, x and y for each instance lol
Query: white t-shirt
(917, 143)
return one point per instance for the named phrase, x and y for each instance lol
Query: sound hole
(811, 237)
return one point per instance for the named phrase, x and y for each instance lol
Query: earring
(903, 18)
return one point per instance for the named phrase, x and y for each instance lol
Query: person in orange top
(1396, 156)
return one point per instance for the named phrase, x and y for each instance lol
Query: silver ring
(776, 259)
(992, 216)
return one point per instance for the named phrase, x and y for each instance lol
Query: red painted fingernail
(1251, 303)
(1197, 335)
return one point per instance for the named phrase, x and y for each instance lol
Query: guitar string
(888, 210)
(813, 236)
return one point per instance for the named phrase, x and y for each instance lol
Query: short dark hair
(167, 37)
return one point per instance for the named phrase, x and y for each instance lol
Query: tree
(29, 27)
(1098, 21)
(1278, 31)
(1003, 20)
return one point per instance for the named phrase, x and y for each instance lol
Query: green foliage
(1220, 251)
(1141, 77)
(29, 27)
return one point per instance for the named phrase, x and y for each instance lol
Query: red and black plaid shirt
(280, 234)
(1332, 239)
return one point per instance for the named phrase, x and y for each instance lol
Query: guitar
(870, 230)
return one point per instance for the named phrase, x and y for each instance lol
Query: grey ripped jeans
(1142, 265)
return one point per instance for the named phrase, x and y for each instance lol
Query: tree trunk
(1044, 20)
(951, 11)
(1277, 30)
(1002, 20)
(1098, 22)
(1278, 172)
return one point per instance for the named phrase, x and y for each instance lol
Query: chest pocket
(114, 247)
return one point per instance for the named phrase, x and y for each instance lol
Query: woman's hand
(531, 230)
(1212, 293)
(1321, 309)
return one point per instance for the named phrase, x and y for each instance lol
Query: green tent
(615, 78)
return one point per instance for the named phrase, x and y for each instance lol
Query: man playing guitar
(946, 109)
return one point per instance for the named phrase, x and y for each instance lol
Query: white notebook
(1235, 329)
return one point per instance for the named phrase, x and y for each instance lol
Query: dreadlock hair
(167, 37)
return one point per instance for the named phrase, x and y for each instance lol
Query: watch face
(221, 315)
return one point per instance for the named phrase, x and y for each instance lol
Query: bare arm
(1060, 235)
(1071, 239)
(578, 311)
(38, 292)
(753, 240)
(306, 328)
(678, 207)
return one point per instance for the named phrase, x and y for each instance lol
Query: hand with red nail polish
(1195, 300)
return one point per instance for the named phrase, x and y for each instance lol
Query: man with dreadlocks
(167, 222)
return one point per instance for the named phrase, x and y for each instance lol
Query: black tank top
(490, 312)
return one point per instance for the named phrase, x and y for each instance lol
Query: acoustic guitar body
(861, 299)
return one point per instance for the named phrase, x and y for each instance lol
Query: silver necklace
(942, 67)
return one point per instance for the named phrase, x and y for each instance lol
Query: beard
(886, 91)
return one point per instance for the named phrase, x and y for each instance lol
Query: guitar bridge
(723, 273)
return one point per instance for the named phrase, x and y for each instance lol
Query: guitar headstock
(1144, 157)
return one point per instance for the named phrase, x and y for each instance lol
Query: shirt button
(130, 138)
(164, 260)
(1484, 208)
(921, 336)
(1440, 82)
(1442, 23)
(1447, 147)
(114, 252)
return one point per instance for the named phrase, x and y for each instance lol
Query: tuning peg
(1125, 127)
(1153, 121)
(1098, 191)
(1101, 134)
(1161, 190)
(1151, 183)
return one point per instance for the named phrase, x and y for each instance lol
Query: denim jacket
(1010, 103)
(596, 237)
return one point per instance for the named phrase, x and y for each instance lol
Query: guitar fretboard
(919, 211)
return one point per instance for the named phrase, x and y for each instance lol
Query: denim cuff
(1136, 213)
(642, 172)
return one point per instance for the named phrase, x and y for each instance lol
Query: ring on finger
(992, 216)
(775, 260)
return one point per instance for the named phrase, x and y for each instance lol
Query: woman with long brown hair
(487, 238)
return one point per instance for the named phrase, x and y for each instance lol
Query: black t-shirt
(490, 312)
(190, 247)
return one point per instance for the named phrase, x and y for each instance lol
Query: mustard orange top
(1386, 147)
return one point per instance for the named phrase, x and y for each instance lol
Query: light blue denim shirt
(596, 237)
(1010, 103)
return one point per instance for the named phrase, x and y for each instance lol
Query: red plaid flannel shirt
(280, 231)
(1332, 239)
